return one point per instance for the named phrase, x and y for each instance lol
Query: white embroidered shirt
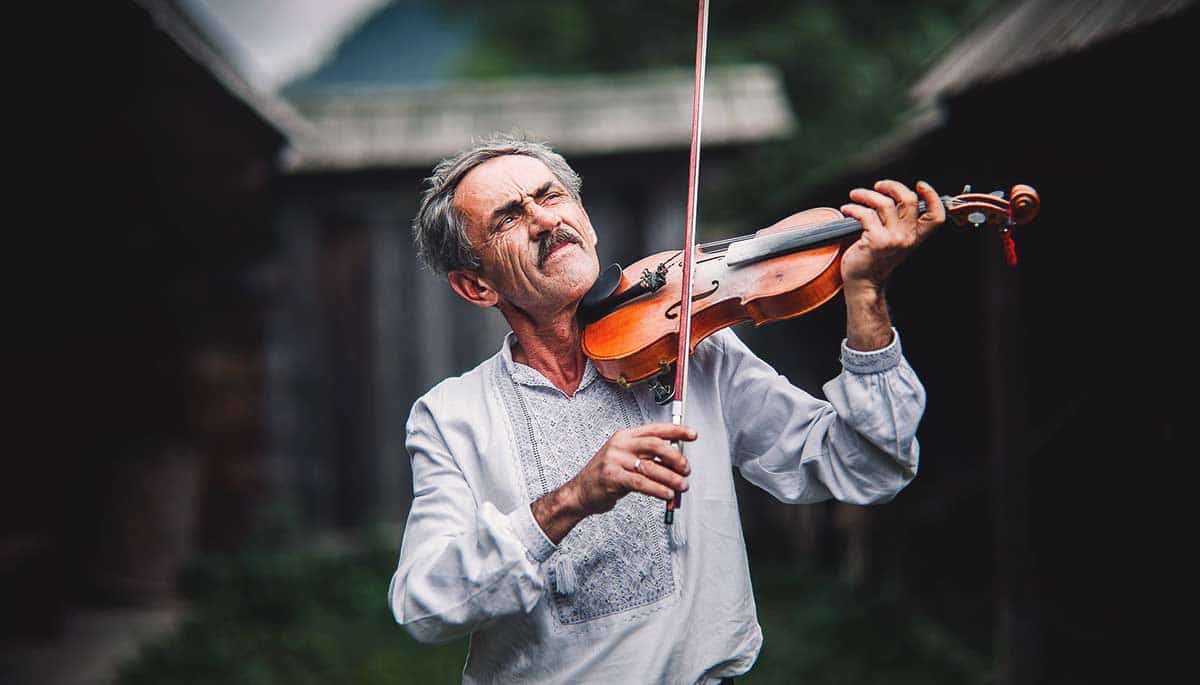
(615, 601)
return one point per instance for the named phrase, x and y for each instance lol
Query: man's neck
(550, 347)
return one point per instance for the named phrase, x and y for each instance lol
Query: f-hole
(672, 314)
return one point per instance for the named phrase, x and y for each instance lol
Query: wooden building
(1050, 522)
(138, 333)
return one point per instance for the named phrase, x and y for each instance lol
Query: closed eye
(505, 216)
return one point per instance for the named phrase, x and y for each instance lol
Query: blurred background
(219, 324)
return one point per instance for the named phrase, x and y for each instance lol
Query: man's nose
(542, 219)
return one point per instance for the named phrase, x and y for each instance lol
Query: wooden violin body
(634, 341)
(780, 272)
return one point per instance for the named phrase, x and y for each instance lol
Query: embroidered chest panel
(619, 560)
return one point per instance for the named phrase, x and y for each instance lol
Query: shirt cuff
(531, 534)
(875, 361)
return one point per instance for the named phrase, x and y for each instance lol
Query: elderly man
(538, 487)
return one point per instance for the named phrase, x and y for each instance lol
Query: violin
(631, 316)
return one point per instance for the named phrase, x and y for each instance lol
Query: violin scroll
(993, 209)
(1024, 204)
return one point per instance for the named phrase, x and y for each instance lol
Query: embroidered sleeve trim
(531, 534)
(875, 361)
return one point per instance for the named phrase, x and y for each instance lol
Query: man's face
(536, 245)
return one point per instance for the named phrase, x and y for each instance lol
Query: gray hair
(440, 229)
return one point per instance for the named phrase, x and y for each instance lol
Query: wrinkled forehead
(499, 181)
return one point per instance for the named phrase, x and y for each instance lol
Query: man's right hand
(634, 460)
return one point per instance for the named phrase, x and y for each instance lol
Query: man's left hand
(892, 227)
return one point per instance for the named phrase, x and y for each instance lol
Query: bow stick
(684, 349)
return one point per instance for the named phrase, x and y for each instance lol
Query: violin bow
(684, 349)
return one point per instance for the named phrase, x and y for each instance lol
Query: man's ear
(473, 288)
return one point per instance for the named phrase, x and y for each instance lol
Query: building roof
(417, 125)
(401, 43)
(1025, 33)
(272, 43)
(1015, 38)
(179, 24)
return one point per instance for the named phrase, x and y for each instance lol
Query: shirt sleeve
(461, 564)
(860, 446)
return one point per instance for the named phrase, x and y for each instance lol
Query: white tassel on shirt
(564, 576)
(675, 534)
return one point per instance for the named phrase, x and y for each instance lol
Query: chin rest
(601, 297)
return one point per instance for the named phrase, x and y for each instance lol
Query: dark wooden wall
(135, 339)
(1050, 521)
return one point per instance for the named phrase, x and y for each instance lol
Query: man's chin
(570, 261)
(570, 281)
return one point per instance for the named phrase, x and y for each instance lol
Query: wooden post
(391, 349)
(1018, 625)
(297, 435)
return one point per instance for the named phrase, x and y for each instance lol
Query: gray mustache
(552, 240)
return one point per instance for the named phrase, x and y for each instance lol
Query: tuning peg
(966, 189)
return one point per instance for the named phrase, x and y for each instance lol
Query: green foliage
(818, 631)
(296, 618)
(846, 67)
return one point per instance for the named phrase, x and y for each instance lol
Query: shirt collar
(527, 375)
